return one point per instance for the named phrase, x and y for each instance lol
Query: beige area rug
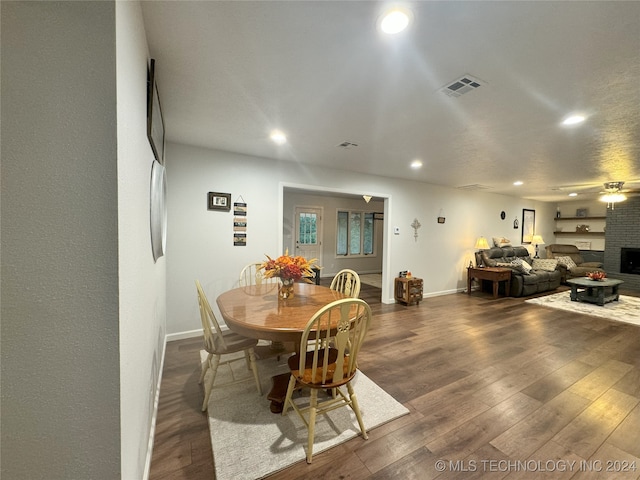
(250, 442)
(373, 279)
(626, 309)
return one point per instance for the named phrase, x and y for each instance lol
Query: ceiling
(229, 72)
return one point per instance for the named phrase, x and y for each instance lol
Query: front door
(309, 233)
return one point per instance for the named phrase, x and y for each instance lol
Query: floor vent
(461, 86)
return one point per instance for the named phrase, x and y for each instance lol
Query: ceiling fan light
(613, 197)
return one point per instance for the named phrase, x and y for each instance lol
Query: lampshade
(537, 240)
(482, 244)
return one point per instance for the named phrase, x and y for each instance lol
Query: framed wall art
(219, 201)
(528, 225)
(155, 122)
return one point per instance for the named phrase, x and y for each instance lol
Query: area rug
(250, 442)
(626, 309)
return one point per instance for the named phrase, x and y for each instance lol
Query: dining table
(256, 311)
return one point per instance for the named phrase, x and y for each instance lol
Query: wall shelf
(578, 233)
(579, 218)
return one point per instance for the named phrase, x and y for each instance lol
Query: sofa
(571, 262)
(528, 275)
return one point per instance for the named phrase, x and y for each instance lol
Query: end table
(408, 290)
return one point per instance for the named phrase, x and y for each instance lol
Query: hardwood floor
(488, 383)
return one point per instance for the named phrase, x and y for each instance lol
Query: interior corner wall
(200, 241)
(59, 297)
(142, 281)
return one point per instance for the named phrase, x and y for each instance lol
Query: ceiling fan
(610, 192)
(631, 187)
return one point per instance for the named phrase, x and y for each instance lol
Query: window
(307, 234)
(355, 233)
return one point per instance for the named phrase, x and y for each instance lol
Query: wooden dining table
(255, 311)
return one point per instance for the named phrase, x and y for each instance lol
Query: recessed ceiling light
(278, 137)
(573, 194)
(518, 183)
(394, 22)
(573, 119)
(416, 164)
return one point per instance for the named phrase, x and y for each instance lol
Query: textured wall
(60, 359)
(623, 230)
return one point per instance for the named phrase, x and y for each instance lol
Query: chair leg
(209, 386)
(313, 405)
(254, 367)
(356, 408)
(287, 398)
(205, 367)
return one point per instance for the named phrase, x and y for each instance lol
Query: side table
(495, 274)
(408, 290)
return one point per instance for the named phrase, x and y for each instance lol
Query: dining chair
(252, 275)
(219, 343)
(347, 282)
(328, 363)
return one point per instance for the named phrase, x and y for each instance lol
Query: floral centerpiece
(597, 275)
(288, 269)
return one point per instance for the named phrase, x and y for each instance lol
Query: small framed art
(219, 201)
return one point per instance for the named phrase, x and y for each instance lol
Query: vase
(286, 288)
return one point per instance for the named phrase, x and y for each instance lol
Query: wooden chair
(348, 282)
(252, 275)
(330, 362)
(218, 343)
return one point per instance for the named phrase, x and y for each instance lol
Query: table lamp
(481, 244)
(537, 240)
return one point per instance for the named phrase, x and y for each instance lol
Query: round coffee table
(594, 291)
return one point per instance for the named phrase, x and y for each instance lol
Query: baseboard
(172, 337)
(154, 416)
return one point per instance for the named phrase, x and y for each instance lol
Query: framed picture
(528, 225)
(155, 122)
(581, 212)
(219, 201)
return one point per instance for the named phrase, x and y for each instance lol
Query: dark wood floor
(489, 382)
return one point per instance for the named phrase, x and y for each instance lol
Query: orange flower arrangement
(597, 275)
(289, 268)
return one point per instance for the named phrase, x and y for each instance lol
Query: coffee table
(594, 291)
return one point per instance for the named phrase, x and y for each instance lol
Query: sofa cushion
(547, 264)
(566, 261)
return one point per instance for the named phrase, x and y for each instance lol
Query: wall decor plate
(158, 210)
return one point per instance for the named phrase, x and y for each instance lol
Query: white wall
(200, 242)
(60, 327)
(142, 287)
(83, 304)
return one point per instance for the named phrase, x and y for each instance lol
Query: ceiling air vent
(474, 186)
(461, 86)
(346, 145)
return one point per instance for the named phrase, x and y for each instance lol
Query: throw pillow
(547, 264)
(524, 265)
(567, 262)
(501, 242)
(515, 265)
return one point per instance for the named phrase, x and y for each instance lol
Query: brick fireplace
(623, 232)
